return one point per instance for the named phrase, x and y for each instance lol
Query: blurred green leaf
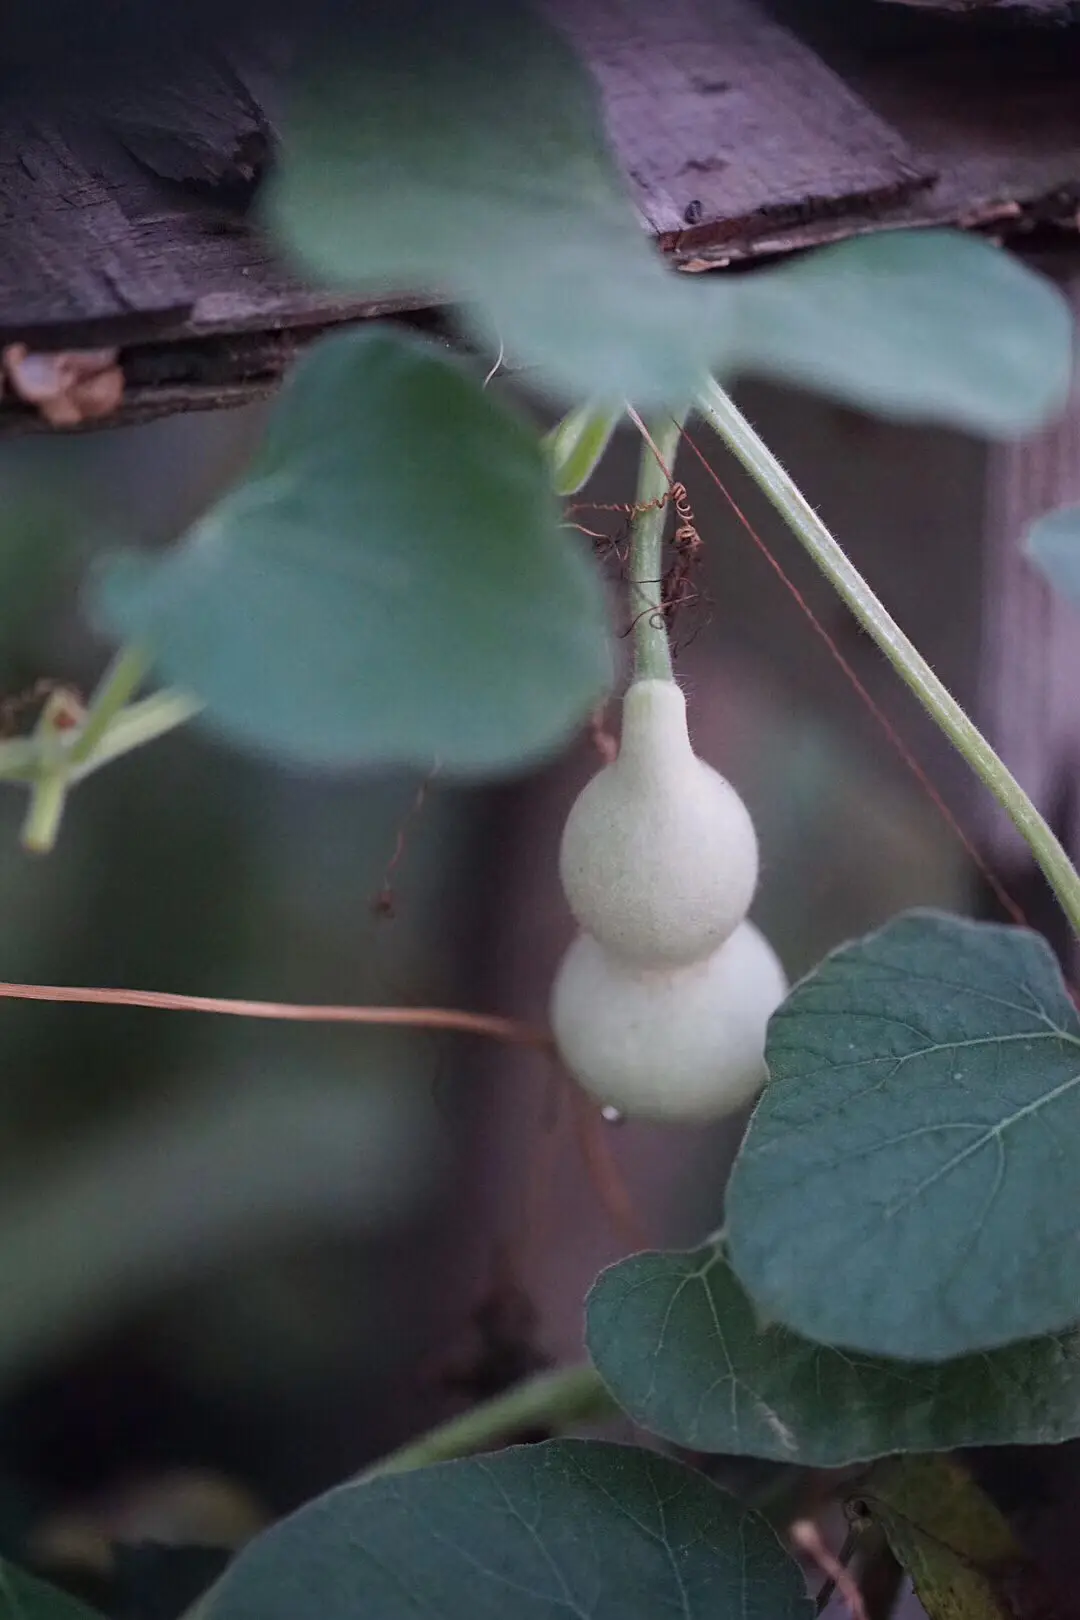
(391, 585)
(915, 325)
(460, 152)
(679, 1345)
(1053, 544)
(906, 1185)
(569, 1527)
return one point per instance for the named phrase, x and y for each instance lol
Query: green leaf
(1053, 544)
(460, 150)
(576, 445)
(917, 325)
(24, 1597)
(391, 584)
(907, 1183)
(679, 1345)
(567, 1528)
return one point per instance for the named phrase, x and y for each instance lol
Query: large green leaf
(908, 1182)
(568, 1528)
(460, 151)
(390, 585)
(24, 1597)
(1053, 544)
(680, 1346)
(914, 324)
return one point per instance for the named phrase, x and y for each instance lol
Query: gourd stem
(720, 411)
(652, 650)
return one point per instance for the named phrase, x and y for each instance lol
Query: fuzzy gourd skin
(659, 857)
(679, 1044)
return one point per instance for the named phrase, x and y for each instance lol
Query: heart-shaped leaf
(679, 1345)
(1053, 544)
(390, 585)
(460, 151)
(567, 1528)
(907, 1186)
(917, 325)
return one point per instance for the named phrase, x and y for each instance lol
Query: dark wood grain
(710, 102)
(66, 247)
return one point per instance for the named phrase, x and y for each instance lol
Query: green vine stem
(553, 1400)
(720, 411)
(56, 756)
(652, 650)
(137, 724)
(44, 813)
(120, 682)
(49, 781)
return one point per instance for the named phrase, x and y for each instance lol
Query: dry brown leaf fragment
(69, 386)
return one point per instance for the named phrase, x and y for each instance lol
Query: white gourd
(659, 857)
(677, 1044)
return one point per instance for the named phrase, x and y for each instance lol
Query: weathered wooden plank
(993, 112)
(176, 136)
(727, 125)
(199, 127)
(211, 370)
(66, 248)
(999, 115)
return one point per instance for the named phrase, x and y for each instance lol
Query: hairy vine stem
(722, 414)
(652, 650)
